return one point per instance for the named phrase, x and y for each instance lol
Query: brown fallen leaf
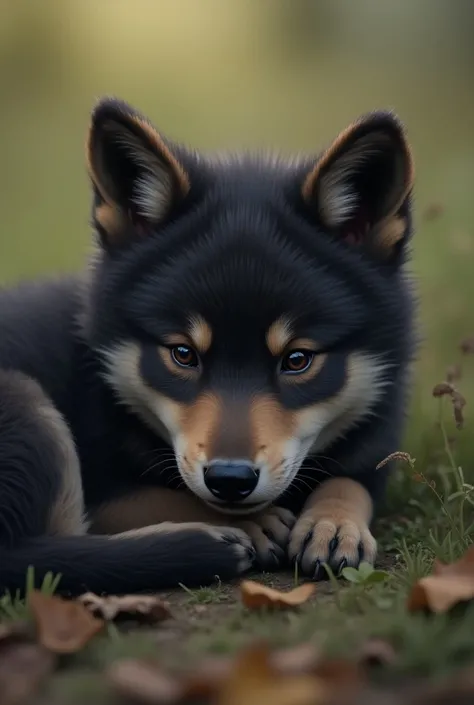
(204, 680)
(144, 608)
(253, 681)
(255, 595)
(302, 658)
(447, 586)
(144, 682)
(63, 626)
(340, 674)
(281, 677)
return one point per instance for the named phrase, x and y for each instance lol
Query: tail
(190, 554)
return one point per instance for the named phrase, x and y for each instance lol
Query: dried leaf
(144, 682)
(210, 673)
(296, 659)
(253, 681)
(433, 211)
(24, 666)
(63, 626)
(203, 681)
(292, 676)
(447, 586)
(459, 403)
(340, 675)
(144, 608)
(457, 399)
(442, 389)
(467, 345)
(255, 595)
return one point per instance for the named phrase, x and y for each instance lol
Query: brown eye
(296, 362)
(184, 356)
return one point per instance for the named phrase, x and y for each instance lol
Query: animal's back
(38, 321)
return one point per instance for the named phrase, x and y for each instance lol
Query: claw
(276, 555)
(306, 541)
(341, 566)
(320, 572)
(317, 567)
(251, 553)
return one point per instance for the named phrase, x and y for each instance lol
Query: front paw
(270, 533)
(231, 543)
(315, 541)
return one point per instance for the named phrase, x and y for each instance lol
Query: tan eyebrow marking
(200, 333)
(278, 336)
(304, 344)
(177, 339)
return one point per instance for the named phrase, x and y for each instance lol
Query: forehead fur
(241, 254)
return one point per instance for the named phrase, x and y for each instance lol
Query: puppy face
(247, 310)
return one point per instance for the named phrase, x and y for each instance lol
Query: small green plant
(365, 574)
(16, 607)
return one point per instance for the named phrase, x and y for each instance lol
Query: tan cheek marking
(199, 423)
(340, 500)
(124, 376)
(200, 333)
(272, 426)
(278, 336)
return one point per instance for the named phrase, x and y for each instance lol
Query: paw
(270, 533)
(315, 541)
(236, 541)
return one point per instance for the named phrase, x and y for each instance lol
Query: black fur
(240, 248)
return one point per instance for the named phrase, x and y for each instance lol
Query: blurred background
(229, 73)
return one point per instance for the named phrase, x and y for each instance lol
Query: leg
(334, 529)
(41, 514)
(40, 483)
(268, 530)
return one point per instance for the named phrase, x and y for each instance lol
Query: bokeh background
(220, 73)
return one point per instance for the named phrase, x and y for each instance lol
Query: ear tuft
(135, 174)
(361, 181)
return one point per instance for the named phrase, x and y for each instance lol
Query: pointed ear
(359, 186)
(135, 176)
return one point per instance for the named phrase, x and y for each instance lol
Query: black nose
(230, 481)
